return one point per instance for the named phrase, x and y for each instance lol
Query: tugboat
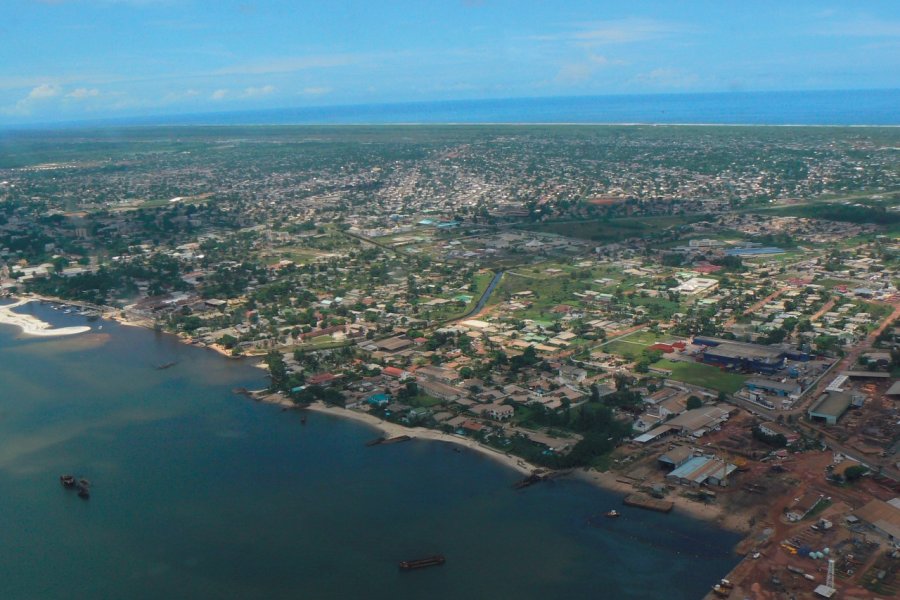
(67, 481)
(421, 563)
(612, 514)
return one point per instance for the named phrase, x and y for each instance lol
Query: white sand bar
(31, 325)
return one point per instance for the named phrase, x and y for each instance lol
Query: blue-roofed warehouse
(741, 356)
(702, 470)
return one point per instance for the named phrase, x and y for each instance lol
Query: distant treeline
(846, 213)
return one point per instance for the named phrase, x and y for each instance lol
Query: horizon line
(135, 120)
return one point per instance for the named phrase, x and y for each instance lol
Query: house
(323, 379)
(498, 412)
(379, 399)
(439, 390)
(417, 415)
(440, 374)
(395, 372)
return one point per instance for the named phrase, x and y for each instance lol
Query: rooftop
(832, 404)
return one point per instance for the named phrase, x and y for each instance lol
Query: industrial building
(771, 386)
(741, 356)
(883, 518)
(701, 470)
(830, 407)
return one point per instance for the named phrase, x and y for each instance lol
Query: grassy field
(703, 375)
(632, 345)
(610, 230)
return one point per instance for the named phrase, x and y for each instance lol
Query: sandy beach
(393, 430)
(608, 480)
(33, 326)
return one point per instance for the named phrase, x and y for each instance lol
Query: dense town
(697, 316)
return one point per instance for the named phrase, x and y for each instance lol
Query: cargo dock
(648, 502)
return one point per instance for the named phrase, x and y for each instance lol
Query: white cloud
(45, 90)
(582, 71)
(316, 91)
(38, 94)
(861, 27)
(82, 93)
(219, 94)
(619, 31)
(256, 92)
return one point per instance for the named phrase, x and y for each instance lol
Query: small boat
(67, 481)
(83, 493)
(84, 483)
(421, 563)
(303, 420)
(167, 365)
(612, 514)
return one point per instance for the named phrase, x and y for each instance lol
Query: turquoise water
(199, 493)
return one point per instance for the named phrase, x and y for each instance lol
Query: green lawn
(703, 375)
(632, 345)
(610, 230)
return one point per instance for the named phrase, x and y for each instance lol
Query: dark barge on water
(81, 485)
(421, 563)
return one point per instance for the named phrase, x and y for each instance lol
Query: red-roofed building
(322, 379)
(472, 426)
(706, 269)
(395, 372)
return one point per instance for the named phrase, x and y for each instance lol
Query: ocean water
(199, 493)
(845, 107)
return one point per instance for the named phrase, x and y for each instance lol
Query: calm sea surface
(845, 107)
(198, 493)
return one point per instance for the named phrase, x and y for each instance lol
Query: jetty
(383, 440)
(529, 481)
(648, 502)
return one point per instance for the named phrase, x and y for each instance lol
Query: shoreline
(32, 326)
(392, 430)
(609, 481)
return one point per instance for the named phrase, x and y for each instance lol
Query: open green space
(703, 375)
(611, 230)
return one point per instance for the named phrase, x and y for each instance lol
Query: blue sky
(74, 59)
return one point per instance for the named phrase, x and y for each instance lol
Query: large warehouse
(830, 406)
(741, 356)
